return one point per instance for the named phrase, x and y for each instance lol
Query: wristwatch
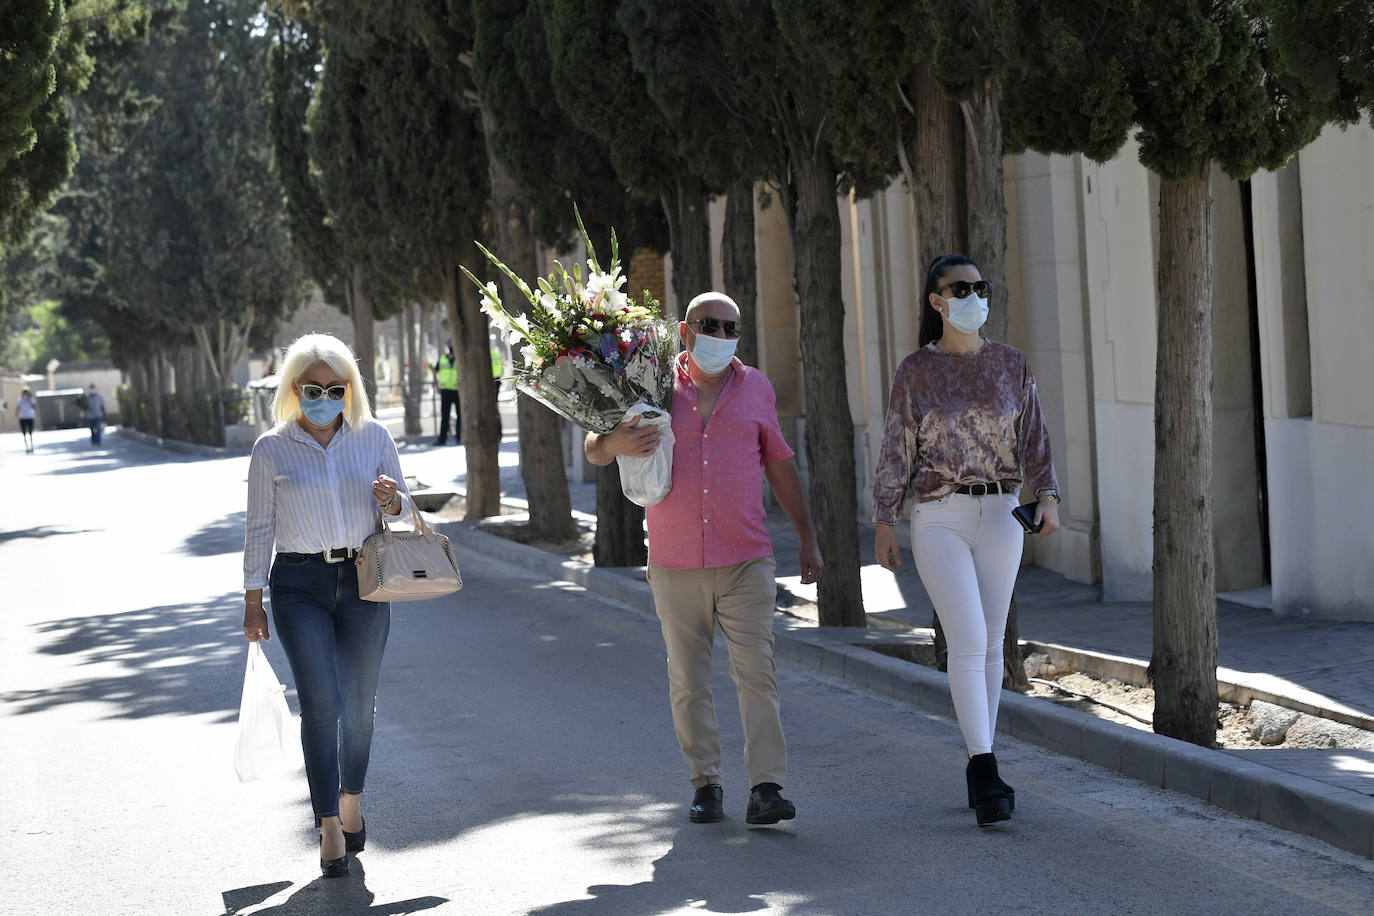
(1049, 493)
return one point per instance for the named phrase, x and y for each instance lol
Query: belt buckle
(978, 489)
(330, 558)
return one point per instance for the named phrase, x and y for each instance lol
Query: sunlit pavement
(524, 758)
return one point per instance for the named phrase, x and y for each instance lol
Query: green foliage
(179, 226)
(1324, 52)
(1195, 80)
(555, 162)
(45, 333)
(599, 90)
(47, 62)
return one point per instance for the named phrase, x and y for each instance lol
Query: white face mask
(969, 313)
(713, 354)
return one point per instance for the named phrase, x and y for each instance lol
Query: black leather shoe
(354, 842)
(333, 868)
(767, 806)
(990, 802)
(707, 806)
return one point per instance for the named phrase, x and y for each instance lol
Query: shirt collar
(297, 432)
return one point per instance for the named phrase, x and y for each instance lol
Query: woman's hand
(885, 548)
(254, 616)
(384, 490)
(1047, 517)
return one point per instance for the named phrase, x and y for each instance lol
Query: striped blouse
(308, 498)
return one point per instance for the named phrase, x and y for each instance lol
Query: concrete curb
(1341, 817)
(177, 445)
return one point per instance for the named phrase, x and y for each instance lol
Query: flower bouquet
(595, 356)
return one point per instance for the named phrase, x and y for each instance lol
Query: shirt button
(704, 435)
(694, 407)
(706, 461)
(705, 521)
(704, 490)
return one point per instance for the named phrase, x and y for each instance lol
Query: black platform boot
(1011, 793)
(990, 803)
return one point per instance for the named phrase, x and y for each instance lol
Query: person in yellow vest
(446, 376)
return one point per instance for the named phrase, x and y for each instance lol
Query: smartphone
(1026, 516)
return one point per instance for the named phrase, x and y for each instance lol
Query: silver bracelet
(395, 498)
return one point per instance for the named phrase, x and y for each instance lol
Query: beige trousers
(740, 599)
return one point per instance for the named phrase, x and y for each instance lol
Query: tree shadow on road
(346, 895)
(218, 537)
(43, 531)
(173, 659)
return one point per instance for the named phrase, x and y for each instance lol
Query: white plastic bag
(646, 481)
(269, 742)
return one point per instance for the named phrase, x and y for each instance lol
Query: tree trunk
(689, 232)
(476, 389)
(541, 438)
(414, 379)
(987, 242)
(937, 182)
(155, 388)
(739, 263)
(814, 221)
(987, 205)
(364, 336)
(1183, 665)
(619, 523)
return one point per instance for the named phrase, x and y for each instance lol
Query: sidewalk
(1326, 794)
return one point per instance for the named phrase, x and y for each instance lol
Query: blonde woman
(316, 482)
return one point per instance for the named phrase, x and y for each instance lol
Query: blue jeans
(97, 426)
(334, 642)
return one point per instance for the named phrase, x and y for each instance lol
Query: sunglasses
(962, 288)
(710, 326)
(315, 392)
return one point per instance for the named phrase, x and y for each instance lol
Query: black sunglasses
(710, 326)
(315, 392)
(962, 288)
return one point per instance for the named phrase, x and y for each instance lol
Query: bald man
(710, 561)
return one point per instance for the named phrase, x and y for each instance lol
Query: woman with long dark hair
(964, 433)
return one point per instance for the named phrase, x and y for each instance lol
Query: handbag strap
(420, 525)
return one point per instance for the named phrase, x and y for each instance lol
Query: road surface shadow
(219, 537)
(43, 531)
(172, 659)
(332, 896)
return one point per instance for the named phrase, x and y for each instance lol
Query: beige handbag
(407, 565)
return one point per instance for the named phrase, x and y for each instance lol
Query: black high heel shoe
(354, 842)
(990, 803)
(1011, 793)
(333, 868)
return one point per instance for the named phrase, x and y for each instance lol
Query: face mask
(969, 313)
(713, 354)
(322, 412)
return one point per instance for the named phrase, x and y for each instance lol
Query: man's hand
(809, 561)
(885, 548)
(629, 438)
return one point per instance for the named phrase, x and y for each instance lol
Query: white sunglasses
(315, 392)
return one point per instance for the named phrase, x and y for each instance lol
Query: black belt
(987, 489)
(337, 555)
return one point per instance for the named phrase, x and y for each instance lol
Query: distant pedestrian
(446, 377)
(964, 431)
(95, 414)
(710, 561)
(26, 409)
(316, 482)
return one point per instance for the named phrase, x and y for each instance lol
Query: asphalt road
(524, 760)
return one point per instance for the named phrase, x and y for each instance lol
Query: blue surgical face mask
(969, 313)
(321, 412)
(713, 354)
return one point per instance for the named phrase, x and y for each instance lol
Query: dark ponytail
(932, 326)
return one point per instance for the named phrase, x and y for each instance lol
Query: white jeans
(968, 549)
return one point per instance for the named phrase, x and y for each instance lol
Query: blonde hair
(334, 353)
